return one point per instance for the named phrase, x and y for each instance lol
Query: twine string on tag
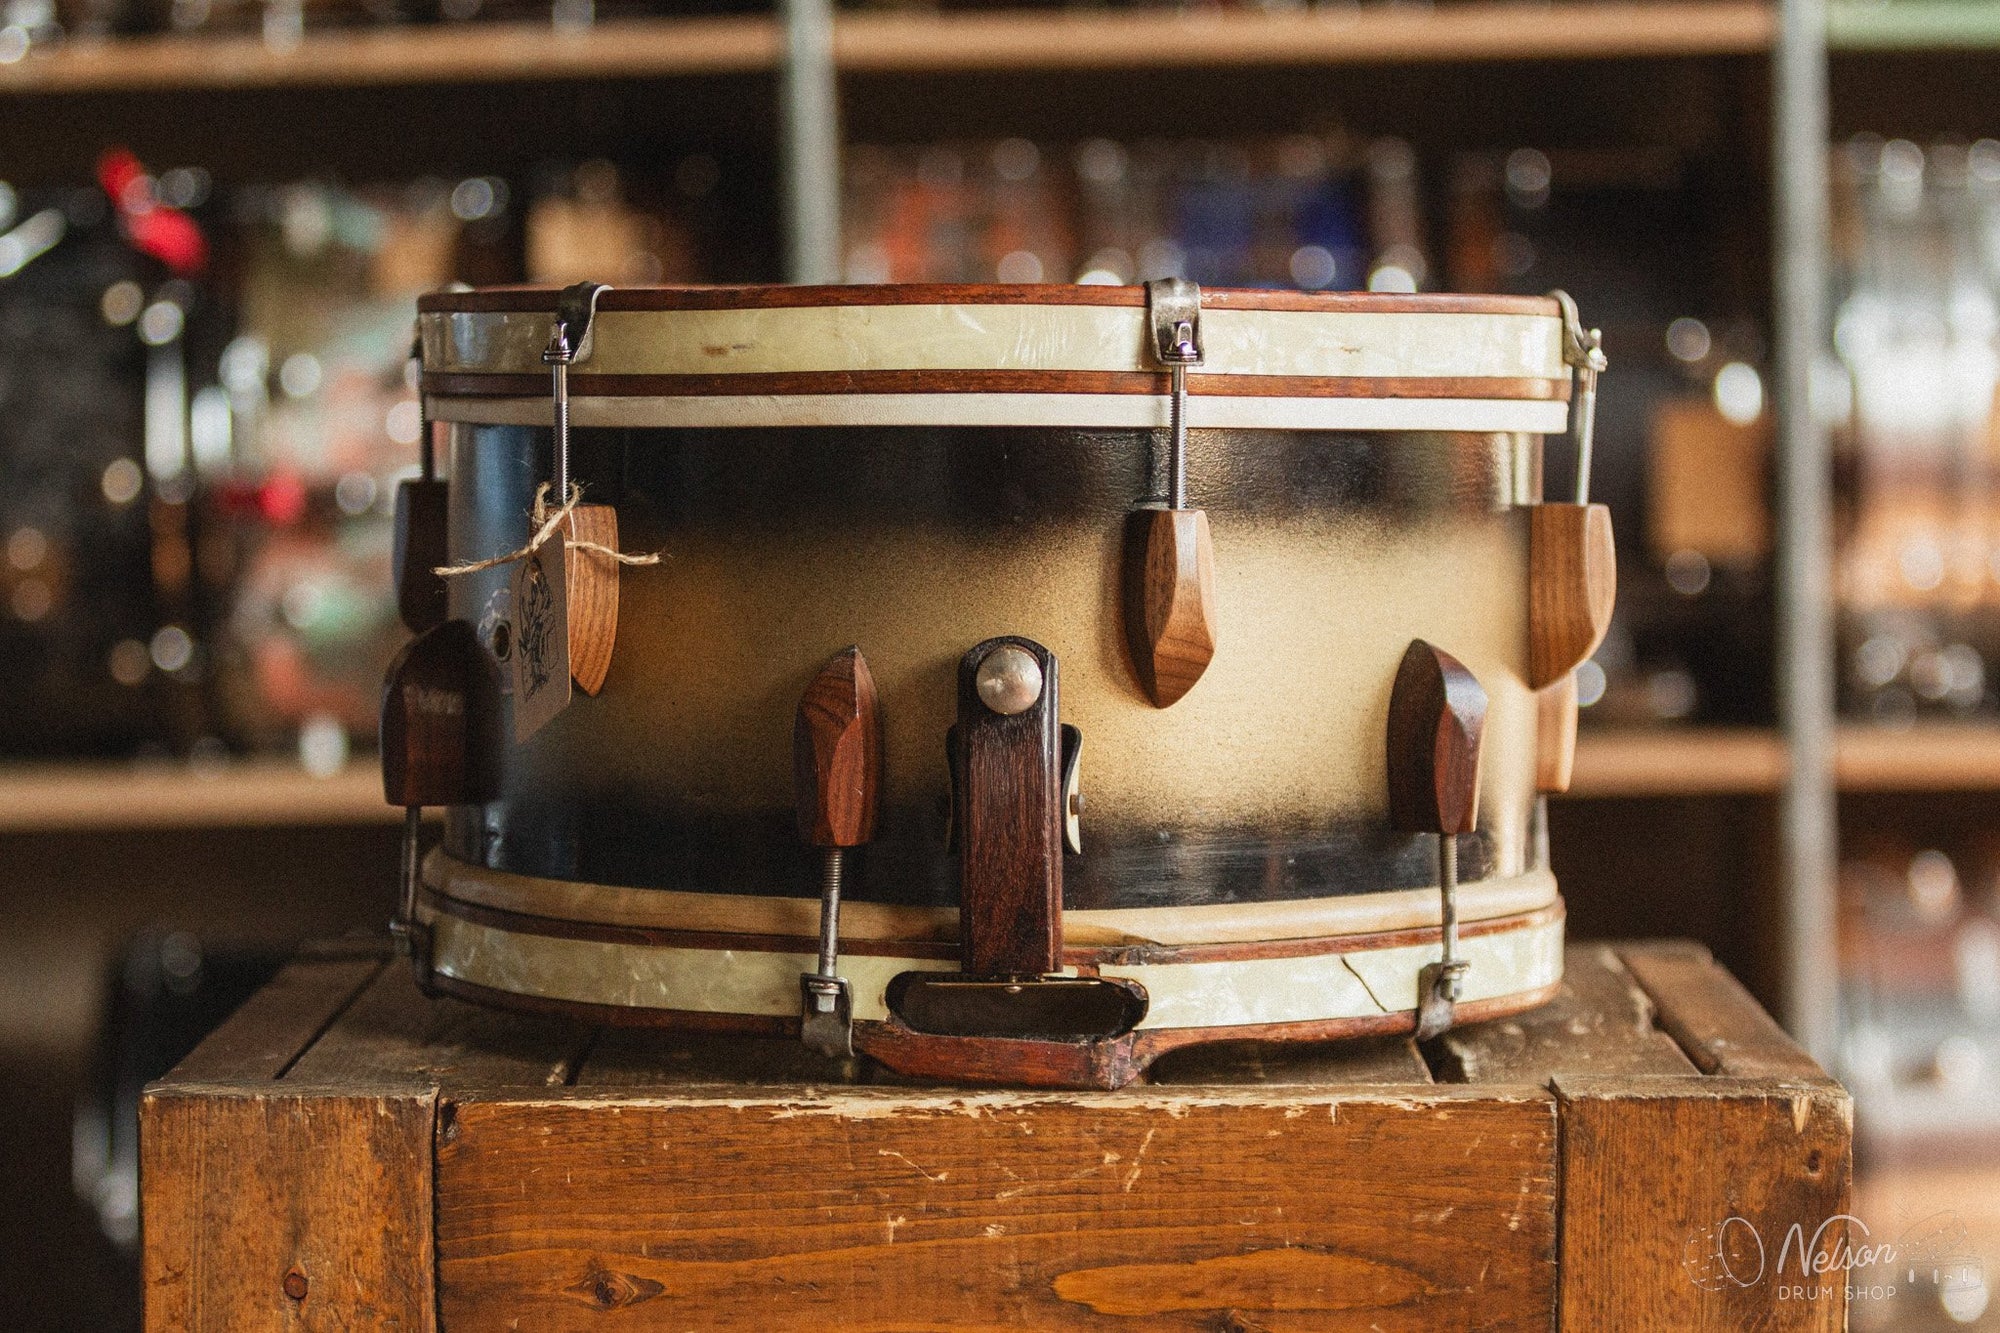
(547, 522)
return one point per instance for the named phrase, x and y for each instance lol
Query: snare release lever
(837, 776)
(1437, 716)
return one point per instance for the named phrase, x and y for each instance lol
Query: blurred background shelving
(905, 41)
(1667, 162)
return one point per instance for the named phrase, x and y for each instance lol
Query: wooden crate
(346, 1154)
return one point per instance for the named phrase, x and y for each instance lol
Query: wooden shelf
(1933, 757)
(1670, 761)
(258, 793)
(472, 53)
(903, 43)
(911, 43)
(1938, 756)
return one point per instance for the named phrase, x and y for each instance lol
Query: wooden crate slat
(392, 1036)
(1653, 1172)
(645, 1057)
(1601, 1023)
(653, 1058)
(247, 1195)
(1711, 1016)
(1371, 1061)
(423, 1161)
(892, 1209)
(273, 1028)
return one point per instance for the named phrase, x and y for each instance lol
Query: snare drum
(1032, 680)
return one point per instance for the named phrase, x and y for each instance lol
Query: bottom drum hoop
(1319, 989)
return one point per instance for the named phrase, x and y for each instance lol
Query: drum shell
(782, 545)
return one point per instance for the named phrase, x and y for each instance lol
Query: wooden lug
(837, 754)
(1169, 600)
(420, 548)
(441, 721)
(1555, 735)
(593, 595)
(1437, 715)
(1572, 587)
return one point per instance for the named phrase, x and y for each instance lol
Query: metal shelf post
(809, 147)
(1808, 813)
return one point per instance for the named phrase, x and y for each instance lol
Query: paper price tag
(540, 660)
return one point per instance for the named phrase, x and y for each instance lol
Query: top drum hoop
(1013, 356)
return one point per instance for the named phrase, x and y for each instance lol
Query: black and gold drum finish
(1011, 700)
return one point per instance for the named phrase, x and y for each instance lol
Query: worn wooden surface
(275, 1202)
(410, 1163)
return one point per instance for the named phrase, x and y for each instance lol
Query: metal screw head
(1009, 680)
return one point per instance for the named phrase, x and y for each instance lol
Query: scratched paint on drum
(915, 547)
(1068, 410)
(989, 337)
(1340, 984)
(1285, 990)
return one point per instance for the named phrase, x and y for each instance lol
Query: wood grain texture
(420, 547)
(593, 595)
(1578, 1177)
(1707, 1011)
(441, 721)
(326, 1191)
(1653, 1172)
(249, 1183)
(1572, 587)
(1009, 822)
(392, 1034)
(1175, 1209)
(1600, 1024)
(1437, 715)
(1169, 600)
(1555, 735)
(837, 753)
(1363, 1062)
(993, 1062)
(275, 1026)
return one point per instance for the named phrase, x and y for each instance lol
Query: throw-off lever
(837, 773)
(1437, 714)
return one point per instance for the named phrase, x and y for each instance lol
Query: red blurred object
(167, 234)
(282, 499)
